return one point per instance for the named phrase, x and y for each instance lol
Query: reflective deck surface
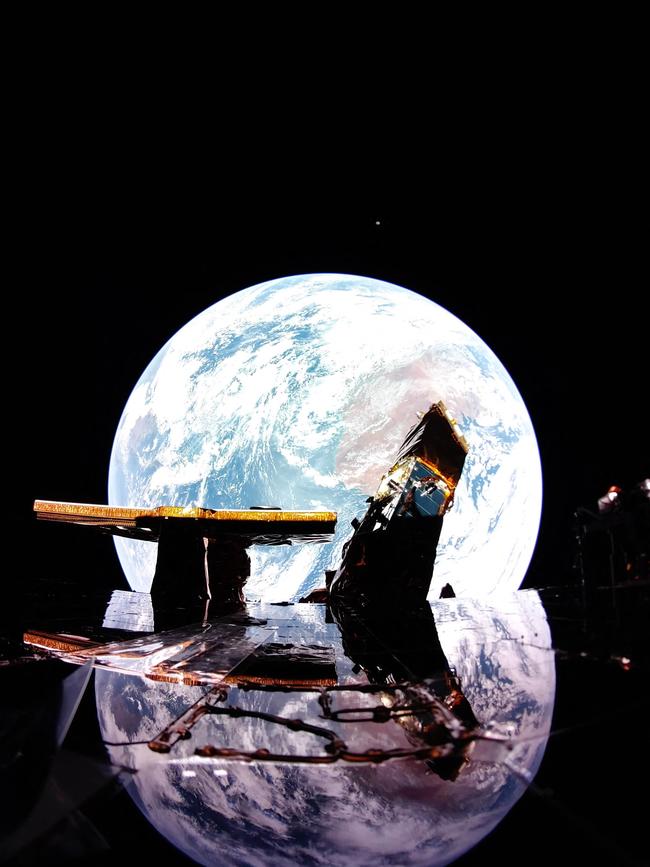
(510, 728)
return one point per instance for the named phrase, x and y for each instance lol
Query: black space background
(528, 221)
(548, 267)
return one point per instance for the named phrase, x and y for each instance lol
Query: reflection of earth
(298, 393)
(397, 813)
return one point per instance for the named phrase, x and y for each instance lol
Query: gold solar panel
(261, 526)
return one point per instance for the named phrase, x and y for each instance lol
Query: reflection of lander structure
(377, 598)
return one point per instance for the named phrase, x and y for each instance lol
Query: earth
(297, 393)
(398, 813)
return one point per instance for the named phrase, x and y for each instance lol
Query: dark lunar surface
(582, 802)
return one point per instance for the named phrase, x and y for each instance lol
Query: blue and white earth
(298, 393)
(397, 813)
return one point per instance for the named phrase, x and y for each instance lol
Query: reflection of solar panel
(281, 664)
(198, 653)
(267, 645)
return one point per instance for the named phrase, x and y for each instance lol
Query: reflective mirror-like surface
(220, 810)
(291, 734)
